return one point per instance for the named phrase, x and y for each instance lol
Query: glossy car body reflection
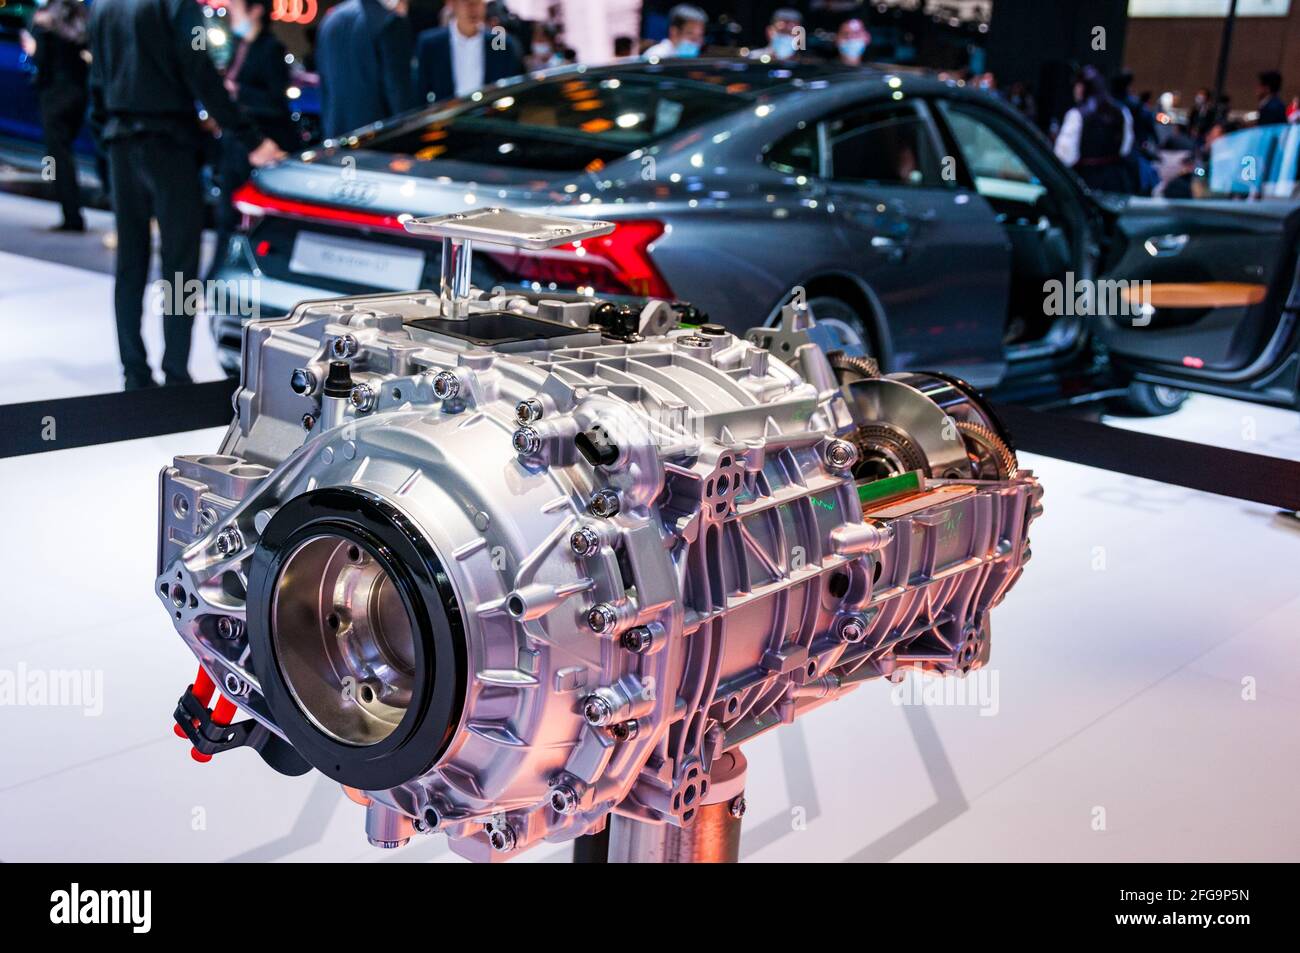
(926, 223)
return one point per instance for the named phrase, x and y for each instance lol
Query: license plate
(365, 263)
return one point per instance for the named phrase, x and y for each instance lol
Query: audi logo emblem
(294, 11)
(356, 193)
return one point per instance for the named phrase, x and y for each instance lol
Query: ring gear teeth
(994, 449)
(897, 446)
(853, 367)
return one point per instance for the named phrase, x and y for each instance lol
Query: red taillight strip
(251, 200)
(625, 251)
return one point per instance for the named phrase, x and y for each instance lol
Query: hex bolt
(852, 628)
(236, 686)
(308, 421)
(344, 346)
(502, 838)
(597, 710)
(738, 807)
(229, 541)
(363, 398)
(840, 454)
(446, 385)
(637, 639)
(603, 503)
(602, 618)
(302, 381)
(526, 441)
(564, 799)
(528, 411)
(228, 627)
(585, 542)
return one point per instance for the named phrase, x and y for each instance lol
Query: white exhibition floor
(59, 334)
(1147, 681)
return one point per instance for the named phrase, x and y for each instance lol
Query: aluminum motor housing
(503, 573)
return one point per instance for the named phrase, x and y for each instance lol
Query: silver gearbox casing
(622, 624)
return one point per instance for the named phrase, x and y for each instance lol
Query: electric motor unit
(504, 564)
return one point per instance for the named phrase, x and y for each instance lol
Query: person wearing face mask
(785, 36)
(463, 56)
(851, 42)
(541, 55)
(257, 78)
(686, 27)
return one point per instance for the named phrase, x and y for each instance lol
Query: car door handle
(1165, 246)
(891, 248)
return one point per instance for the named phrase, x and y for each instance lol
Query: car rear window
(564, 123)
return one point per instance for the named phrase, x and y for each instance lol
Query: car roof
(739, 75)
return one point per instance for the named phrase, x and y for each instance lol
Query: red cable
(223, 714)
(202, 689)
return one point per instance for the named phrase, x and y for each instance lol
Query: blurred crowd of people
(137, 70)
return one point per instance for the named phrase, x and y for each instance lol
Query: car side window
(887, 144)
(997, 168)
(796, 154)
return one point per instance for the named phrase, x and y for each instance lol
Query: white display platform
(1120, 659)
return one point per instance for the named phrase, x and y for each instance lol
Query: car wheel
(1153, 400)
(843, 322)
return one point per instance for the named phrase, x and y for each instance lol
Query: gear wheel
(991, 457)
(884, 451)
(853, 367)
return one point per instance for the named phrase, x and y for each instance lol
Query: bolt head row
(603, 503)
(840, 454)
(363, 398)
(229, 541)
(564, 799)
(852, 628)
(502, 838)
(344, 346)
(585, 542)
(446, 385)
(526, 440)
(597, 710)
(602, 618)
(228, 627)
(528, 411)
(637, 639)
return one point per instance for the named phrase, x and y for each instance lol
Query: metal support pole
(1225, 48)
(453, 290)
(713, 836)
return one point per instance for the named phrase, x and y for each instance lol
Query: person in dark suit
(58, 51)
(1272, 111)
(363, 55)
(257, 78)
(146, 74)
(464, 55)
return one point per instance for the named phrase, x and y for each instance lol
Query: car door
(1045, 214)
(1212, 293)
(929, 249)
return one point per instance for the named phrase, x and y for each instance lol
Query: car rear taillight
(252, 202)
(617, 263)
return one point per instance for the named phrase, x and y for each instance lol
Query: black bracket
(207, 736)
